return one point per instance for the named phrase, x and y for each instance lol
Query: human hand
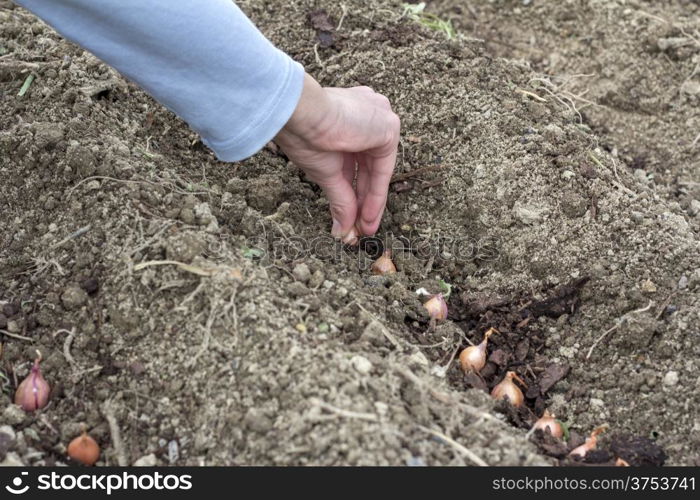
(332, 131)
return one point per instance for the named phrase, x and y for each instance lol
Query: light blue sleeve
(203, 59)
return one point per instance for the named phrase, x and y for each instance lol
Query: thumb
(343, 206)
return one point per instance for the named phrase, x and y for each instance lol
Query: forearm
(203, 59)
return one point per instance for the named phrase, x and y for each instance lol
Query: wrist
(310, 117)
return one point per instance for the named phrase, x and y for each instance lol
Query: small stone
(316, 279)
(694, 208)
(361, 364)
(205, 217)
(255, 420)
(149, 460)
(137, 368)
(44, 317)
(13, 415)
(528, 214)
(597, 403)
(12, 460)
(671, 378)
(9, 431)
(7, 440)
(694, 280)
(418, 359)
(553, 133)
(574, 205)
(415, 462)
(173, 451)
(298, 289)
(50, 203)
(641, 176)
(637, 217)
(648, 286)
(74, 297)
(187, 215)
(47, 134)
(13, 326)
(184, 246)
(683, 283)
(382, 408)
(10, 309)
(91, 286)
(374, 334)
(671, 43)
(691, 87)
(302, 272)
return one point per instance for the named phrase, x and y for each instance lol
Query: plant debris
(324, 26)
(638, 451)
(564, 300)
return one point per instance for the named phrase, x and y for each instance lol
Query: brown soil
(277, 346)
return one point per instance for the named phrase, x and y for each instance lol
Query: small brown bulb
(590, 444)
(84, 449)
(33, 392)
(437, 307)
(473, 358)
(384, 264)
(548, 423)
(507, 389)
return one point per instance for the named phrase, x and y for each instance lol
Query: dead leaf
(552, 374)
(324, 26)
(475, 381)
(563, 300)
(522, 350)
(320, 20)
(499, 357)
(325, 39)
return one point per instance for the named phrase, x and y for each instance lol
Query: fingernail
(351, 238)
(366, 224)
(336, 230)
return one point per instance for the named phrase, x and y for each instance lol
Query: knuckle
(394, 122)
(384, 101)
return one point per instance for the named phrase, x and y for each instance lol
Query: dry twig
(618, 323)
(108, 412)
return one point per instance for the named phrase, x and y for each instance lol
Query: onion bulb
(384, 264)
(590, 444)
(33, 393)
(549, 423)
(506, 389)
(621, 462)
(473, 358)
(437, 307)
(84, 449)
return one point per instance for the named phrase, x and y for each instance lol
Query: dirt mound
(629, 70)
(203, 306)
